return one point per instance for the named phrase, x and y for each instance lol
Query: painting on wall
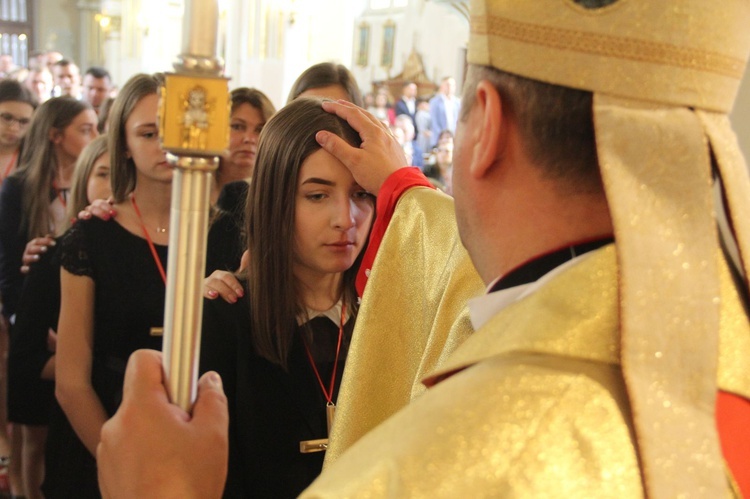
(363, 48)
(389, 36)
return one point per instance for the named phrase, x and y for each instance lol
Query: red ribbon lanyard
(59, 195)
(328, 394)
(10, 166)
(150, 242)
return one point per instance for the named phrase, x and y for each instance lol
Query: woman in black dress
(250, 111)
(112, 284)
(32, 205)
(281, 352)
(31, 360)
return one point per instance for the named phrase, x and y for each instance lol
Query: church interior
(266, 43)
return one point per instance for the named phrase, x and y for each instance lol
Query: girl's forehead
(321, 164)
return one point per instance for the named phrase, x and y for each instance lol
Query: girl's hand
(34, 250)
(100, 208)
(224, 284)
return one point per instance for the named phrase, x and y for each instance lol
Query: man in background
(7, 66)
(407, 104)
(39, 81)
(67, 79)
(444, 109)
(96, 86)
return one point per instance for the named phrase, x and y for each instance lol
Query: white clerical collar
(333, 313)
(485, 307)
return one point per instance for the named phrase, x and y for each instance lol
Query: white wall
(436, 31)
(56, 26)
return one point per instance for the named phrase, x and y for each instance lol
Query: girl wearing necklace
(112, 283)
(281, 351)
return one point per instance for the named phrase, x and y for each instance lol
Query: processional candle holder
(194, 130)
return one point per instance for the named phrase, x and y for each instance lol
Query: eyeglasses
(8, 119)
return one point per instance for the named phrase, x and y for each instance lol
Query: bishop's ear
(487, 123)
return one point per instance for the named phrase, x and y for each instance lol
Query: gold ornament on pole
(194, 130)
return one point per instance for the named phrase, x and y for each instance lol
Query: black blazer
(402, 108)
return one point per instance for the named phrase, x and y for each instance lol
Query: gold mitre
(688, 52)
(664, 74)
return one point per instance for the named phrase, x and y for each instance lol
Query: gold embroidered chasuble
(536, 406)
(412, 316)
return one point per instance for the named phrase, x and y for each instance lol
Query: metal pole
(194, 130)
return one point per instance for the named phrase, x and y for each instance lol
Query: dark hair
(80, 181)
(445, 134)
(285, 142)
(323, 75)
(38, 165)
(98, 72)
(255, 98)
(555, 123)
(104, 110)
(122, 169)
(13, 90)
(64, 63)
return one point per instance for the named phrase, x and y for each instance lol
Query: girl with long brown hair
(33, 201)
(31, 360)
(112, 286)
(281, 352)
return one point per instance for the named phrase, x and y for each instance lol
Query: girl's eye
(361, 195)
(103, 174)
(149, 135)
(316, 196)
(238, 127)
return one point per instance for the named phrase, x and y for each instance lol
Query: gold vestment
(413, 315)
(538, 407)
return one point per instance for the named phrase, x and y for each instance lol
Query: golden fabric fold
(403, 332)
(653, 159)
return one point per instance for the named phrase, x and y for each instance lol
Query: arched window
(16, 29)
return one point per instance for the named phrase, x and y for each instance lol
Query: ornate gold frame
(363, 44)
(389, 39)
